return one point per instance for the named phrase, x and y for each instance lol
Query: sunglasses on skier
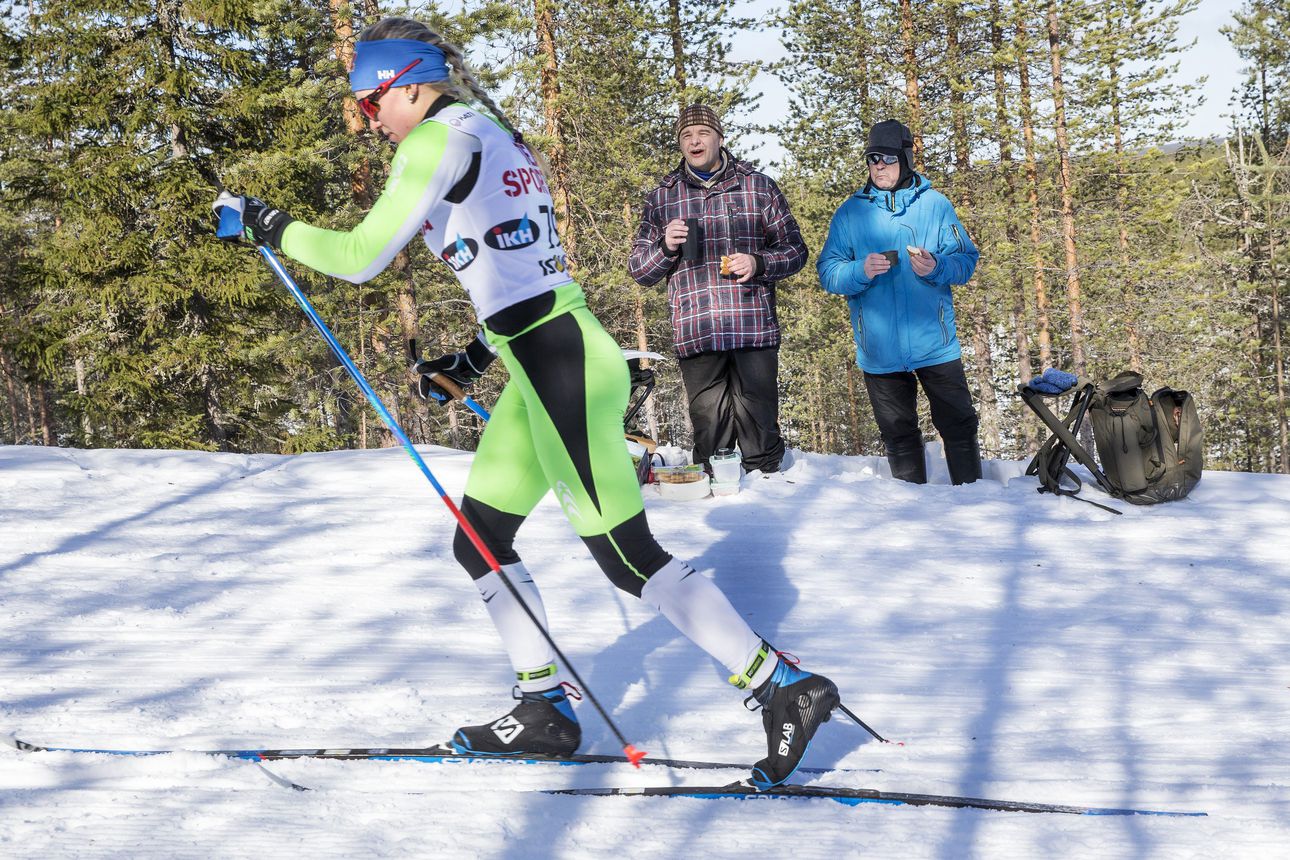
(876, 157)
(370, 103)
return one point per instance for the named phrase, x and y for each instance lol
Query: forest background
(1053, 125)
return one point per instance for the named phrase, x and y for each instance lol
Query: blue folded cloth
(1054, 381)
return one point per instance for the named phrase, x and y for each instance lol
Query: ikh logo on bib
(461, 253)
(512, 235)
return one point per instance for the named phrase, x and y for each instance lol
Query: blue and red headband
(377, 61)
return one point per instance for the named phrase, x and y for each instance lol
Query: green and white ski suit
(478, 197)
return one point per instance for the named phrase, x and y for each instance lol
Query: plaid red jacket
(744, 213)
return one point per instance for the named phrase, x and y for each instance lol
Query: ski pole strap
(744, 680)
(547, 671)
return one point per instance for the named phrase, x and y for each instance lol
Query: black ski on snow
(734, 791)
(434, 754)
(852, 797)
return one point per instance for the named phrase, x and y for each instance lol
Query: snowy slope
(1023, 647)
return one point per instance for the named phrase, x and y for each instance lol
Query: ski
(434, 754)
(743, 790)
(854, 797)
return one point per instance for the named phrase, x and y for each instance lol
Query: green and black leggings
(558, 427)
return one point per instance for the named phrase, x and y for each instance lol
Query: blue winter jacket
(901, 321)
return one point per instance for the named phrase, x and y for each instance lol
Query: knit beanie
(699, 115)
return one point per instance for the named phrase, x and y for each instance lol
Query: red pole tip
(634, 755)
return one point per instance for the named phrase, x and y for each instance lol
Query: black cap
(892, 137)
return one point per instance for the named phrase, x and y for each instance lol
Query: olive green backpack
(1151, 448)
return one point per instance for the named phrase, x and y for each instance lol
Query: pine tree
(1262, 38)
(1127, 58)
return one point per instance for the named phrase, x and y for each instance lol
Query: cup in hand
(692, 248)
(893, 257)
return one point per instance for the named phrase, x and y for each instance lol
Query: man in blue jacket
(895, 247)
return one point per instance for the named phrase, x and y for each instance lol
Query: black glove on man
(266, 224)
(462, 368)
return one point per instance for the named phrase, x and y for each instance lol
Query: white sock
(699, 609)
(531, 655)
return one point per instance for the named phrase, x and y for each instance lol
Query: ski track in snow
(1024, 648)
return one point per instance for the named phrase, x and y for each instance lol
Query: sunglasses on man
(369, 104)
(876, 157)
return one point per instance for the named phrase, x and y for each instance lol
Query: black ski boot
(542, 723)
(794, 704)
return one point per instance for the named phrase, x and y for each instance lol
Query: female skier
(465, 180)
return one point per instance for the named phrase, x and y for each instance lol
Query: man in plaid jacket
(721, 287)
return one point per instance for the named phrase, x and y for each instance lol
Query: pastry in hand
(914, 250)
(725, 265)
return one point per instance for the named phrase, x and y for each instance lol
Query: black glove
(266, 224)
(462, 368)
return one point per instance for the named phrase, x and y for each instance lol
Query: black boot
(964, 459)
(908, 463)
(542, 723)
(794, 704)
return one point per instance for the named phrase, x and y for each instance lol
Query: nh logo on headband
(384, 74)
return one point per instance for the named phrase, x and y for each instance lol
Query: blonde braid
(466, 76)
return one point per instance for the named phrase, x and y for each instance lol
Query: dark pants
(895, 408)
(734, 398)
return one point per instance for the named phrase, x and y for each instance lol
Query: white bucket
(683, 485)
(727, 467)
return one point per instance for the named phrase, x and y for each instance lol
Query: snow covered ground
(1023, 647)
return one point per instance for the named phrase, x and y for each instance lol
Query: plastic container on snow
(682, 483)
(727, 467)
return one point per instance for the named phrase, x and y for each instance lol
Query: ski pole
(862, 724)
(633, 755)
(452, 388)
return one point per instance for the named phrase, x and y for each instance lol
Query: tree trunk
(544, 22)
(1278, 365)
(6, 368)
(380, 341)
(678, 50)
(363, 194)
(1003, 132)
(1042, 329)
(82, 391)
(1274, 290)
(1240, 176)
(47, 434)
(1130, 309)
(360, 182)
(819, 420)
(31, 412)
(911, 80)
(1067, 194)
(341, 400)
(405, 300)
(649, 410)
(977, 303)
(853, 412)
